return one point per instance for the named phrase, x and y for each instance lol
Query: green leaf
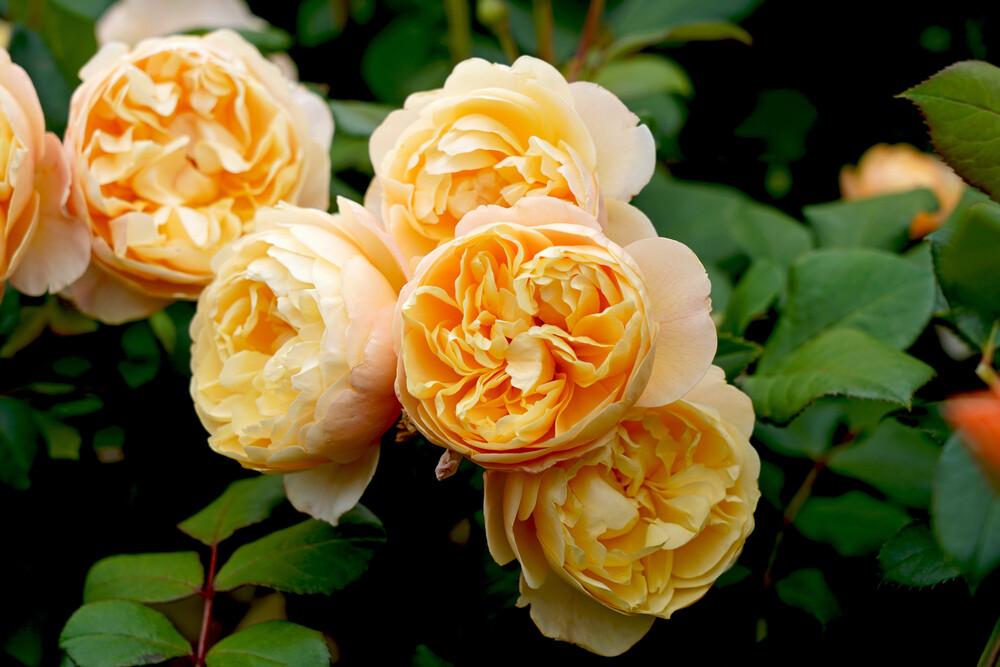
(961, 105)
(18, 442)
(319, 21)
(28, 50)
(643, 74)
(807, 590)
(142, 361)
(965, 513)
(113, 633)
(897, 460)
(879, 222)
(358, 119)
(311, 557)
(60, 20)
(809, 435)
(838, 361)
(869, 290)
(397, 60)
(350, 152)
(912, 558)
(63, 441)
(72, 367)
(759, 287)
(966, 260)
(164, 329)
(243, 503)
(277, 643)
(781, 120)
(771, 482)
(33, 322)
(641, 16)
(145, 577)
(269, 39)
(424, 657)
(691, 32)
(82, 406)
(855, 523)
(733, 355)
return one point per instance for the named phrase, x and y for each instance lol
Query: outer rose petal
(325, 492)
(733, 405)
(627, 224)
(132, 21)
(99, 295)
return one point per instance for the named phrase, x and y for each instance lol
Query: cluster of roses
(498, 285)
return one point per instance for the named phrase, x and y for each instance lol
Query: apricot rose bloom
(292, 360)
(525, 340)
(886, 169)
(977, 416)
(174, 145)
(494, 134)
(636, 531)
(41, 249)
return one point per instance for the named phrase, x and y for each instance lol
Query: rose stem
(542, 12)
(459, 30)
(985, 368)
(586, 38)
(992, 650)
(207, 592)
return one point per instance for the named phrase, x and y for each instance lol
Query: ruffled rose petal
(732, 404)
(326, 492)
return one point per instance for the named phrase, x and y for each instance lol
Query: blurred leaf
(339, 188)
(142, 361)
(912, 558)
(809, 435)
(568, 19)
(733, 355)
(65, 320)
(879, 222)
(757, 289)
(965, 513)
(961, 105)
(424, 657)
(691, 32)
(117, 633)
(268, 40)
(855, 523)
(18, 442)
(242, 504)
(781, 119)
(807, 590)
(838, 361)
(895, 459)
(270, 643)
(91, 9)
(643, 74)
(641, 16)
(111, 436)
(28, 50)
(358, 119)
(10, 309)
(83, 406)
(63, 440)
(164, 329)
(25, 645)
(771, 482)
(69, 35)
(72, 367)
(396, 55)
(145, 577)
(34, 321)
(319, 21)
(311, 557)
(350, 153)
(869, 290)
(665, 116)
(966, 260)
(181, 313)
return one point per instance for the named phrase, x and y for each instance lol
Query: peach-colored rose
(525, 340)
(885, 169)
(174, 146)
(292, 360)
(977, 416)
(494, 134)
(41, 247)
(609, 542)
(132, 21)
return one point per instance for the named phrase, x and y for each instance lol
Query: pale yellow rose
(636, 531)
(292, 360)
(42, 248)
(174, 145)
(526, 339)
(132, 21)
(494, 134)
(885, 169)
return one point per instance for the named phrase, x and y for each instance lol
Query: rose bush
(292, 361)
(174, 146)
(41, 249)
(635, 531)
(494, 134)
(523, 341)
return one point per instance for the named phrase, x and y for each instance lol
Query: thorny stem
(207, 592)
(985, 368)
(542, 12)
(594, 12)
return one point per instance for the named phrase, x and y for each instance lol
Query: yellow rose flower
(292, 360)
(174, 146)
(494, 134)
(132, 21)
(885, 169)
(42, 248)
(636, 531)
(526, 339)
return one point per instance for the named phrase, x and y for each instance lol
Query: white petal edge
(326, 492)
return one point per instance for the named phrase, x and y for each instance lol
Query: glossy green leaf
(270, 644)
(243, 503)
(965, 513)
(145, 577)
(358, 119)
(868, 290)
(117, 633)
(897, 460)
(311, 557)
(18, 442)
(855, 523)
(733, 355)
(809, 435)
(961, 105)
(838, 361)
(966, 260)
(912, 558)
(879, 222)
(643, 74)
(759, 287)
(807, 590)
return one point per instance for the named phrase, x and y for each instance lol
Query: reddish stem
(586, 38)
(207, 592)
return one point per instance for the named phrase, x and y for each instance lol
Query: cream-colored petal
(626, 224)
(103, 297)
(326, 492)
(732, 404)
(131, 21)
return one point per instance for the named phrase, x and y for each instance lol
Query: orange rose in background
(526, 339)
(41, 247)
(292, 360)
(609, 542)
(977, 416)
(174, 146)
(494, 134)
(885, 169)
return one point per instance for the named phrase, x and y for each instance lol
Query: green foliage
(734, 354)
(28, 50)
(808, 435)
(807, 589)
(878, 222)
(759, 287)
(277, 643)
(142, 355)
(18, 442)
(113, 633)
(311, 557)
(424, 657)
(637, 16)
(912, 558)
(855, 524)
(966, 260)
(643, 74)
(243, 503)
(145, 577)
